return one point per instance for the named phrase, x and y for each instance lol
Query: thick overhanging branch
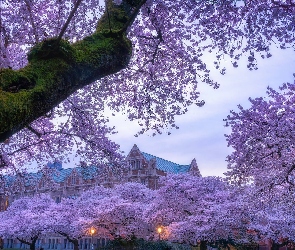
(55, 72)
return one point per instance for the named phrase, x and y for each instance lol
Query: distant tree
(263, 140)
(66, 220)
(112, 212)
(145, 57)
(26, 219)
(197, 209)
(134, 192)
(188, 209)
(118, 213)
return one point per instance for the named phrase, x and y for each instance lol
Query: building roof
(167, 166)
(58, 174)
(87, 173)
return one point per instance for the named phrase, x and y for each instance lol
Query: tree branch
(72, 240)
(133, 16)
(54, 73)
(68, 21)
(24, 241)
(32, 21)
(34, 131)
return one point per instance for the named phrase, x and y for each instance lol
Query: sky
(201, 132)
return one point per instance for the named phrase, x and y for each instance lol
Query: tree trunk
(76, 244)
(32, 244)
(203, 245)
(75, 241)
(275, 246)
(56, 70)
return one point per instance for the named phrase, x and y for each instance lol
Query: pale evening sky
(201, 132)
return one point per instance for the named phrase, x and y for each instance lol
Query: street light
(159, 229)
(92, 231)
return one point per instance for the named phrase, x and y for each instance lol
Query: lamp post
(159, 229)
(92, 231)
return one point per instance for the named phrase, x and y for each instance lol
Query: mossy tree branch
(55, 72)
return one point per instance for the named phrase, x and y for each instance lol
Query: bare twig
(32, 21)
(68, 21)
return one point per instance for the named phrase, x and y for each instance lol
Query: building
(59, 182)
(70, 182)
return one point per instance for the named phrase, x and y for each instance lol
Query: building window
(137, 164)
(132, 163)
(73, 179)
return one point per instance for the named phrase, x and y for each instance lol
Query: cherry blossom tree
(134, 192)
(270, 216)
(263, 139)
(143, 58)
(113, 212)
(26, 219)
(118, 218)
(195, 209)
(189, 209)
(210, 211)
(65, 219)
(91, 199)
(117, 212)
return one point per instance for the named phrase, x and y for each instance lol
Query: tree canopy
(188, 209)
(72, 59)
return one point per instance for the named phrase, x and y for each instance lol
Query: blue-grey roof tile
(88, 172)
(167, 166)
(61, 174)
